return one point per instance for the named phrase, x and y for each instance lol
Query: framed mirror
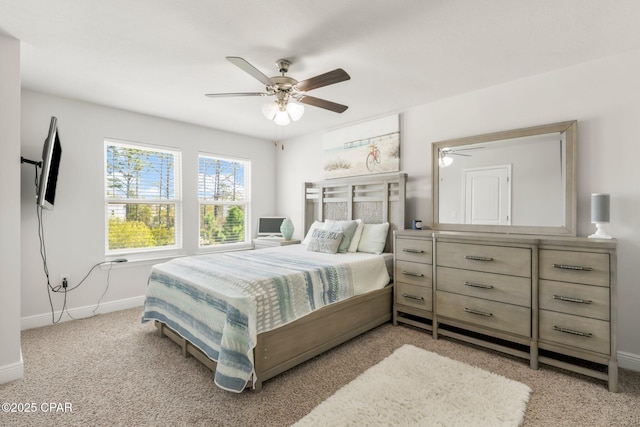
(517, 181)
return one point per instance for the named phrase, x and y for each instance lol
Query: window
(224, 196)
(143, 201)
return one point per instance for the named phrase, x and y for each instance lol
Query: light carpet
(416, 387)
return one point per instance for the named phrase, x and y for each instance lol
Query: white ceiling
(160, 57)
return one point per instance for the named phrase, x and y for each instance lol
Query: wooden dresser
(546, 299)
(413, 284)
(578, 301)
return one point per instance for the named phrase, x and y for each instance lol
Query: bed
(303, 302)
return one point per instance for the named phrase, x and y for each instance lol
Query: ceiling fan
(446, 153)
(456, 151)
(286, 89)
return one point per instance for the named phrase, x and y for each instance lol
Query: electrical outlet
(64, 280)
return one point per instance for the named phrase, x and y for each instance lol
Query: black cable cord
(105, 289)
(43, 255)
(60, 288)
(85, 277)
(65, 290)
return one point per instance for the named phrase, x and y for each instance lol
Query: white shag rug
(414, 387)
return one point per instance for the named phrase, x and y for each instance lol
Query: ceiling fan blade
(323, 103)
(336, 76)
(468, 148)
(248, 68)
(222, 95)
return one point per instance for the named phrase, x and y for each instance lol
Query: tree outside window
(142, 197)
(224, 199)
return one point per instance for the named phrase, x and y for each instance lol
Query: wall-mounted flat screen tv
(51, 155)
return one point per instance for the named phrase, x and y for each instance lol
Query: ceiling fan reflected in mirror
(446, 153)
(289, 93)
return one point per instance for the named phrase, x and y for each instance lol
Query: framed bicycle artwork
(363, 149)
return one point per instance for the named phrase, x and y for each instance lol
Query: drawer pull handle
(571, 299)
(572, 267)
(478, 258)
(573, 332)
(409, 273)
(413, 297)
(478, 285)
(413, 251)
(478, 312)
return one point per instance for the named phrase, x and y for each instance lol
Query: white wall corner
(10, 244)
(40, 320)
(12, 372)
(629, 361)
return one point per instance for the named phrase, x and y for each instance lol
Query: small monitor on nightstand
(269, 226)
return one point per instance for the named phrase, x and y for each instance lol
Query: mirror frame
(569, 228)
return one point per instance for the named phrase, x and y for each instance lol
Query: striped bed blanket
(221, 302)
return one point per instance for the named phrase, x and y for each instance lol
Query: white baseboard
(12, 372)
(629, 361)
(40, 320)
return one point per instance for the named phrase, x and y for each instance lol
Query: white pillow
(316, 225)
(347, 228)
(353, 246)
(325, 241)
(374, 238)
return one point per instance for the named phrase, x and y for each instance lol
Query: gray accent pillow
(314, 227)
(325, 241)
(347, 228)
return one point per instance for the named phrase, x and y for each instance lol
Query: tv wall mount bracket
(31, 162)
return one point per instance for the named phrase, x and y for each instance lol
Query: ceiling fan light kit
(445, 154)
(295, 110)
(282, 111)
(445, 160)
(290, 94)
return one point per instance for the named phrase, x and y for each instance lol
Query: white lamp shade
(445, 161)
(269, 109)
(282, 118)
(599, 208)
(295, 110)
(280, 114)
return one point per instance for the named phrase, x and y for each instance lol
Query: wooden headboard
(374, 199)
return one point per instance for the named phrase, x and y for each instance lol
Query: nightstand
(267, 242)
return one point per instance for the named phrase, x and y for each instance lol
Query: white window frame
(176, 201)
(246, 203)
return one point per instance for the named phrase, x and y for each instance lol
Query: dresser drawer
(497, 287)
(490, 314)
(575, 331)
(572, 298)
(491, 259)
(420, 297)
(414, 273)
(415, 250)
(578, 267)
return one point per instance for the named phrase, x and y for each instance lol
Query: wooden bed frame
(375, 199)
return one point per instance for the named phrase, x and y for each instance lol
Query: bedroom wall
(11, 367)
(74, 230)
(601, 95)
